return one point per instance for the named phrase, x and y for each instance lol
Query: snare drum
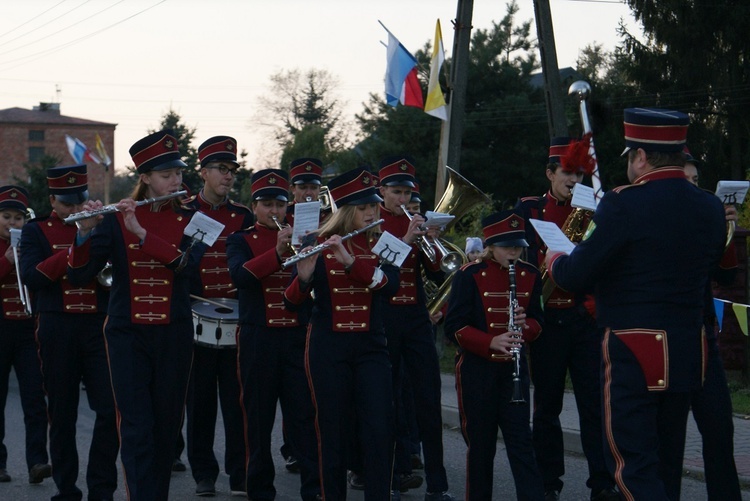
(215, 322)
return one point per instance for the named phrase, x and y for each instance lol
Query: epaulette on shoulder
(530, 199)
(237, 204)
(189, 199)
(470, 264)
(527, 264)
(625, 186)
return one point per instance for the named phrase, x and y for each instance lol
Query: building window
(35, 154)
(36, 135)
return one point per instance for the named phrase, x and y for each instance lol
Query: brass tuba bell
(459, 198)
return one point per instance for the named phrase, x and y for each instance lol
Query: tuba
(460, 197)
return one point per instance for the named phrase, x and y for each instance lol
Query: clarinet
(517, 397)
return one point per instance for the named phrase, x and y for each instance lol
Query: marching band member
(18, 346)
(712, 403)
(650, 276)
(271, 343)
(410, 332)
(215, 367)
(71, 346)
(346, 356)
(571, 340)
(149, 329)
(478, 322)
(305, 177)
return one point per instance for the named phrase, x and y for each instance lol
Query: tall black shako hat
(69, 183)
(654, 129)
(270, 184)
(218, 149)
(157, 151)
(354, 187)
(306, 171)
(504, 229)
(397, 170)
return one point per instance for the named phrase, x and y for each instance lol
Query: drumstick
(215, 303)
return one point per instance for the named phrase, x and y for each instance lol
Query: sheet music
(732, 192)
(391, 249)
(552, 235)
(15, 237)
(583, 197)
(306, 220)
(437, 219)
(203, 228)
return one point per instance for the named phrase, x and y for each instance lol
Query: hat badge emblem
(366, 180)
(403, 167)
(272, 180)
(71, 180)
(308, 167)
(168, 144)
(14, 194)
(229, 146)
(514, 223)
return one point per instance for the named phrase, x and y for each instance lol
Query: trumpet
(112, 208)
(517, 397)
(280, 226)
(321, 247)
(23, 291)
(449, 261)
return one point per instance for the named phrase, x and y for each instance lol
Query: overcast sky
(128, 61)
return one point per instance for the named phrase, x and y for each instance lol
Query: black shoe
(4, 477)
(552, 495)
(178, 465)
(395, 495)
(416, 462)
(438, 496)
(608, 494)
(205, 488)
(39, 472)
(292, 464)
(356, 481)
(408, 481)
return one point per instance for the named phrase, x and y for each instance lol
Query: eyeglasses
(224, 170)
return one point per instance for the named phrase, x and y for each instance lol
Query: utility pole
(553, 94)
(452, 130)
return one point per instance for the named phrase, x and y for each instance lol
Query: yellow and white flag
(99, 146)
(435, 103)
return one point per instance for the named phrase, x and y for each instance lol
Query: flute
(321, 247)
(109, 209)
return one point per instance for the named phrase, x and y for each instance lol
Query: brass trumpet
(449, 261)
(280, 226)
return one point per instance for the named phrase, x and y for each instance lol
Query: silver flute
(321, 247)
(112, 208)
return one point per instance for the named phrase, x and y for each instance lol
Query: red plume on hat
(577, 158)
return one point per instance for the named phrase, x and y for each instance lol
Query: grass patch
(740, 393)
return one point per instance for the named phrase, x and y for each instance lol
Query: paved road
(287, 484)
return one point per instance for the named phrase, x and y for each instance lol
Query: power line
(62, 29)
(45, 24)
(80, 39)
(33, 18)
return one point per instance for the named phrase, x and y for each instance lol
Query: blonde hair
(342, 222)
(139, 192)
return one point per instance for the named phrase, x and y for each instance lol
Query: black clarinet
(517, 397)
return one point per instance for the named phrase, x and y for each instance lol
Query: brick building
(28, 135)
